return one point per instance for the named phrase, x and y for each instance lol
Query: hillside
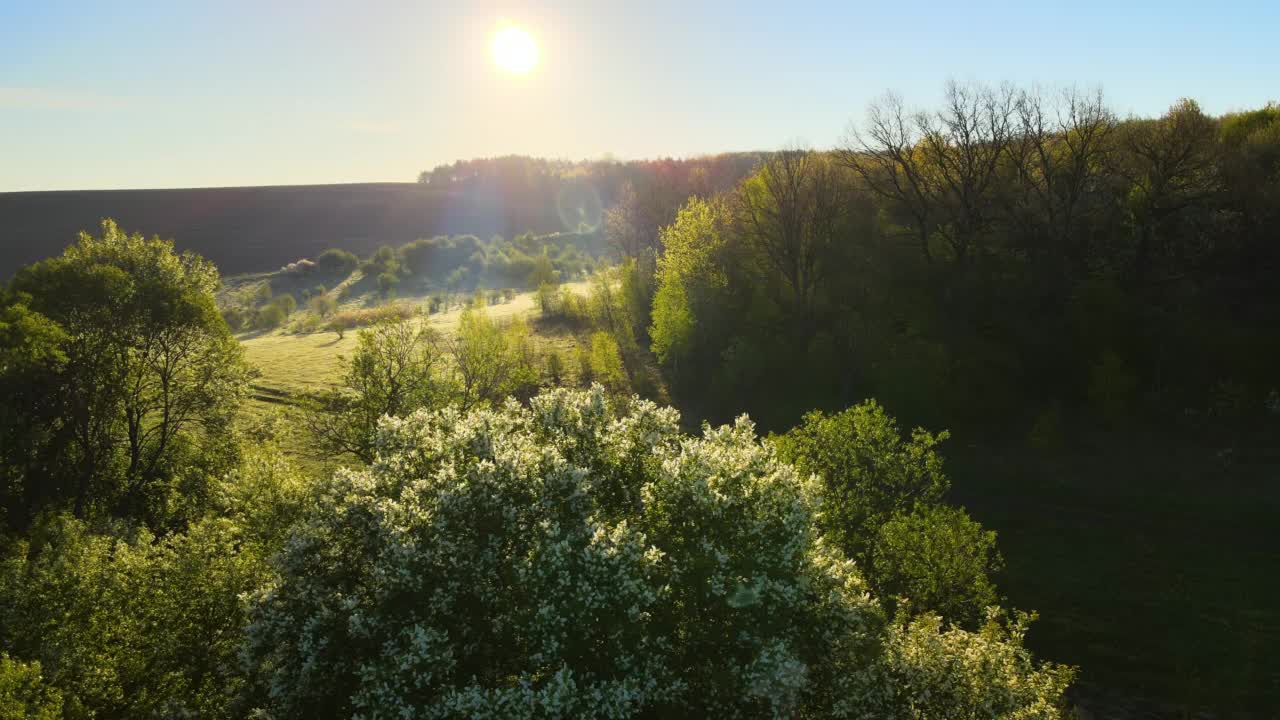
(250, 228)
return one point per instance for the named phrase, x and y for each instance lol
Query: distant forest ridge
(246, 229)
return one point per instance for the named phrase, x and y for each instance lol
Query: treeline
(1009, 259)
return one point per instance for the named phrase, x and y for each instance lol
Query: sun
(514, 51)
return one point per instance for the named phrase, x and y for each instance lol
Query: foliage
(337, 262)
(393, 372)
(606, 363)
(137, 378)
(323, 305)
(939, 559)
(870, 473)
(576, 558)
(489, 361)
(555, 368)
(125, 624)
(951, 674)
(387, 283)
(23, 693)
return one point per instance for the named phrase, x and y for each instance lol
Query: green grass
(289, 364)
(1155, 569)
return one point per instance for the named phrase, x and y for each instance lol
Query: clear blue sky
(120, 94)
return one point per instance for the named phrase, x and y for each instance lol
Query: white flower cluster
(569, 559)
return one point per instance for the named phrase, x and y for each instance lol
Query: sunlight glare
(514, 51)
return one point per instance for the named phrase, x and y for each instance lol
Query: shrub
(236, 317)
(337, 262)
(350, 319)
(940, 560)
(387, 283)
(548, 299)
(569, 559)
(323, 305)
(263, 292)
(269, 317)
(286, 303)
(555, 367)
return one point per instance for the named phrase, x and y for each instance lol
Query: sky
(105, 95)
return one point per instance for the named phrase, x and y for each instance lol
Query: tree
(543, 272)
(597, 562)
(606, 363)
(1172, 167)
(393, 371)
(141, 383)
(489, 361)
(690, 270)
(323, 305)
(23, 693)
(869, 472)
(940, 560)
(337, 262)
(940, 170)
(793, 210)
(127, 624)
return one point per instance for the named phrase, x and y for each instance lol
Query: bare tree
(1059, 154)
(792, 211)
(883, 154)
(963, 146)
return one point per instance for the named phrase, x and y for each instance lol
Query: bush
(351, 319)
(940, 560)
(323, 305)
(568, 559)
(555, 368)
(387, 283)
(236, 317)
(285, 303)
(337, 262)
(548, 299)
(270, 317)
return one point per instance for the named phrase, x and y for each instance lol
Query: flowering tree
(580, 559)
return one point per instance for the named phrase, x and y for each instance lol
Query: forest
(805, 433)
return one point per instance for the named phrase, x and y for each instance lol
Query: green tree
(870, 473)
(142, 388)
(23, 693)
(543, 272)
(489, 361)
(387, 283)
(392, 372)
(125, 624)
(323, 305)
(940, 560)
(337, 262)
(606, 363)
